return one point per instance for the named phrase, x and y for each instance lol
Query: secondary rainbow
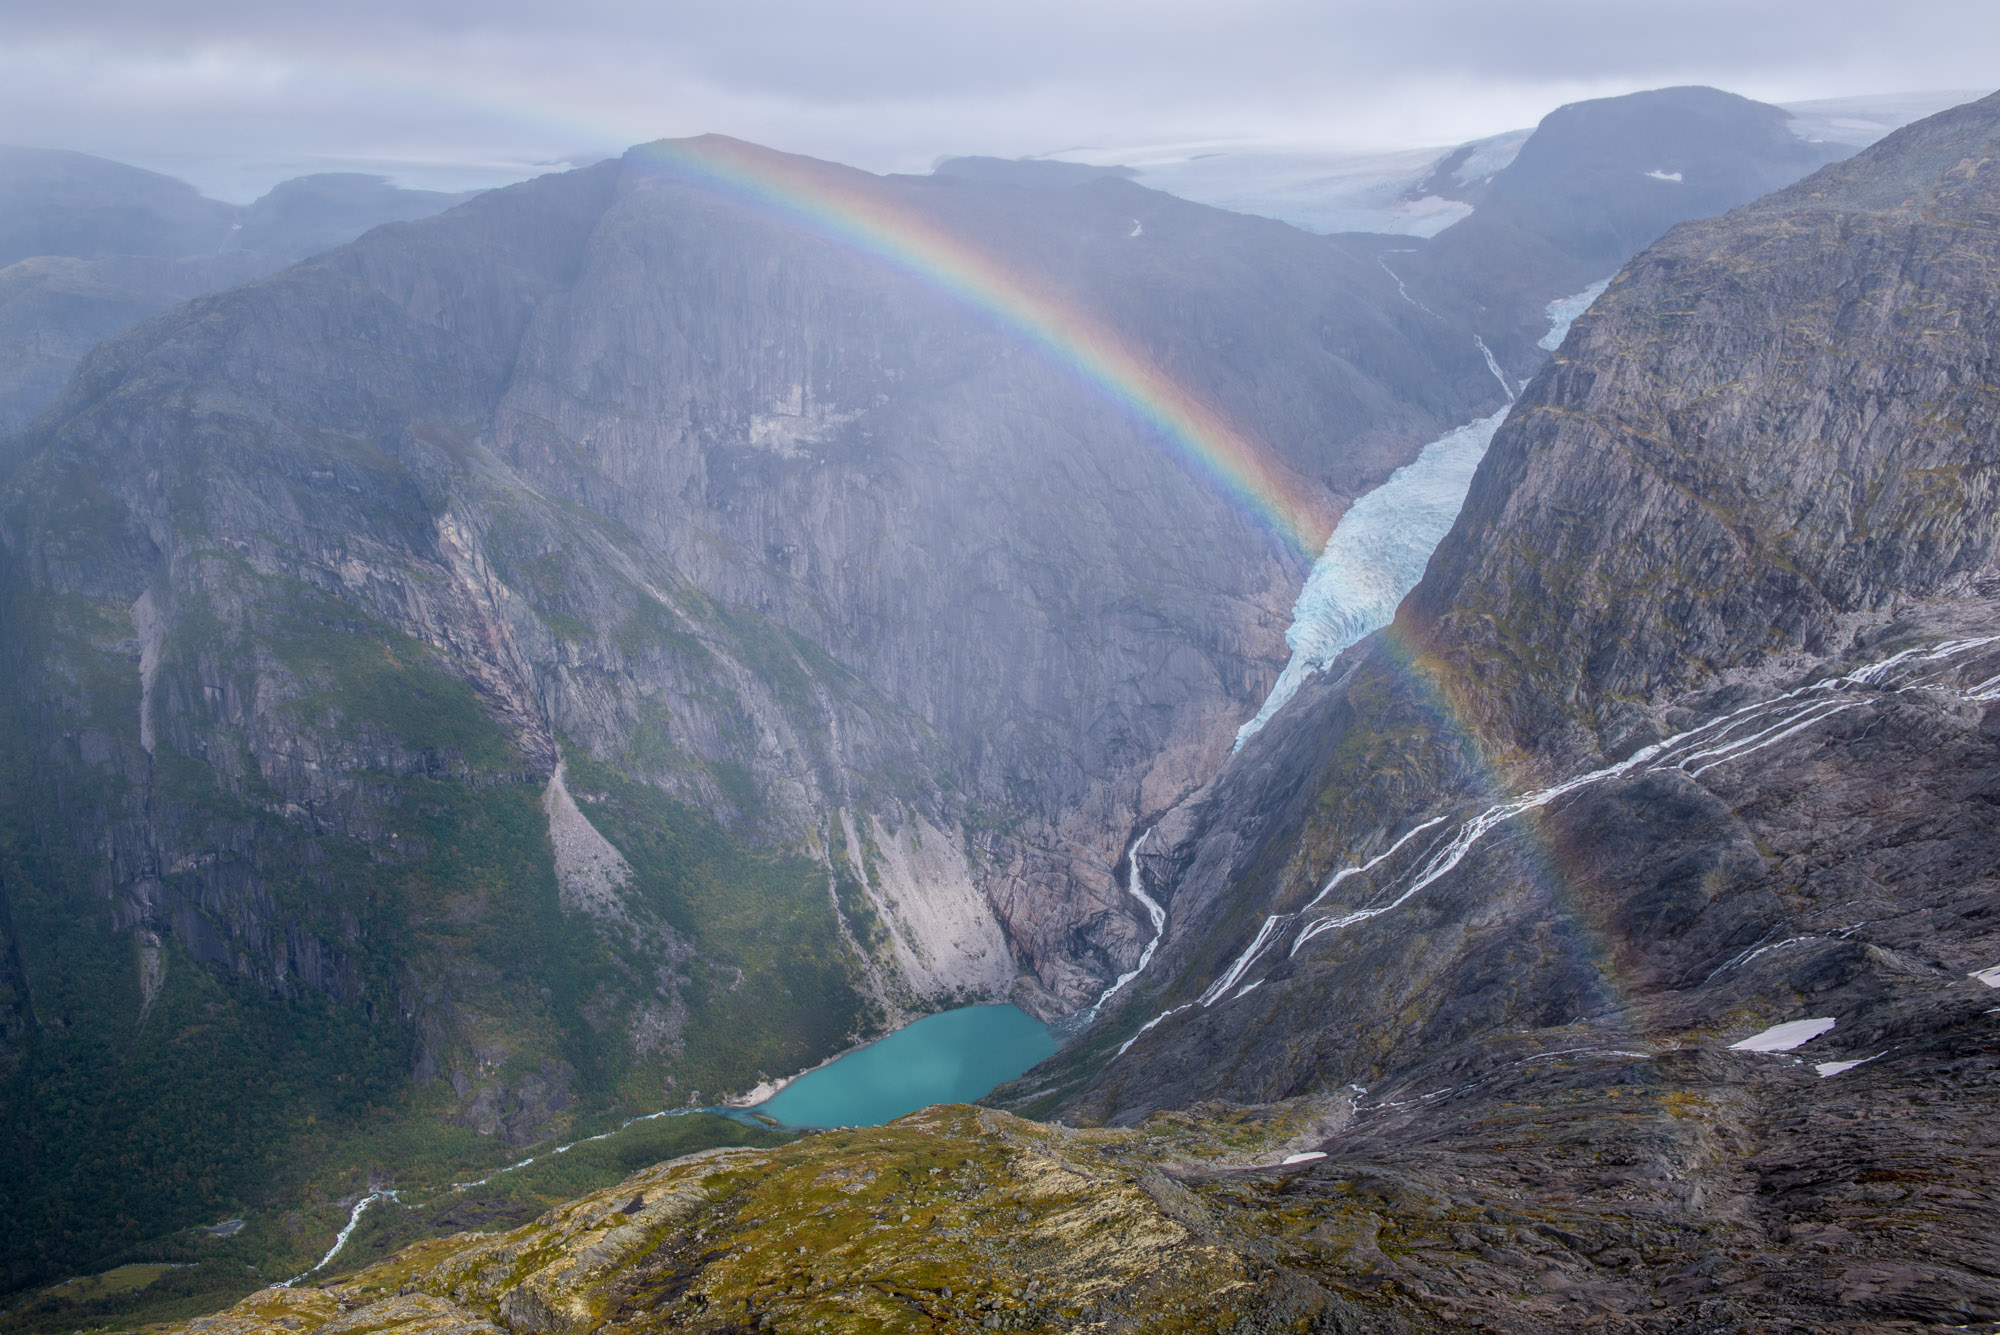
(851, 208)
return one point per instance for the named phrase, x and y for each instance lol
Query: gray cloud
(448, 92)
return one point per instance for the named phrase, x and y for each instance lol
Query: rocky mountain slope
(1511, 983)
(1610, 945)
(89, 247)
(1686, 736)
(610, 644)
(627, 637)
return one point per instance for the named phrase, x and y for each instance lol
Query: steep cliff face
(1793, 405)
(629, 636)
(611, 644)
(1687, 734)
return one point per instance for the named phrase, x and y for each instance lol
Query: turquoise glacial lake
(952, 1057)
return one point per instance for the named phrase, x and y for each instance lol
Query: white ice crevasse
(1379, 550)
(1724, 739)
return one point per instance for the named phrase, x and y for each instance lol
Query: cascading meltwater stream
(1726, 738)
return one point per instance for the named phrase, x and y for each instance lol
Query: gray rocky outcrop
(1687, 733)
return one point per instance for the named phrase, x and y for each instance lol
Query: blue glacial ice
(1375, 556)
(1564, 310)
(1379, 549)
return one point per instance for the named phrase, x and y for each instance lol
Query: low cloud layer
(236, 93)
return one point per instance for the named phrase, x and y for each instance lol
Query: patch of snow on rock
(1826, 1069)
(1990, 977)
(1784, 1037)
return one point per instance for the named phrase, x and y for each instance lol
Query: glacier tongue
(1375, 556)
(1379, 549)
(1562, 313)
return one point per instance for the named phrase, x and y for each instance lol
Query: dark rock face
(1732, 542)
(1687, 733)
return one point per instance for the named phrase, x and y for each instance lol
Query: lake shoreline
(952, 1056)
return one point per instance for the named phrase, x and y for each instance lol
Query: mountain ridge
(852, 625)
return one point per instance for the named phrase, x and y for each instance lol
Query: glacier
(1378, 551)
(1376, 555)
(1563, 311)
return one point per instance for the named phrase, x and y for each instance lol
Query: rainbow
(850, 208)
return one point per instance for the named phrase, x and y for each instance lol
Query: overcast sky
(235, 94)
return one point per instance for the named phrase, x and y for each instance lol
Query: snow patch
(1990, 977)
(1563, 311)
(1658, 175)
(1826, 1069)
(1302, 1158)
(1376, 555)
(1784, 1037)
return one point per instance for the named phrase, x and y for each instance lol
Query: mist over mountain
(476, 672)
(1417, 191)
(88, 248)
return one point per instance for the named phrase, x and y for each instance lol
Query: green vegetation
(418, 931)
(952, 1219)
(367, 676)
(768, 984)
(198, 1270)
(313, 940)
